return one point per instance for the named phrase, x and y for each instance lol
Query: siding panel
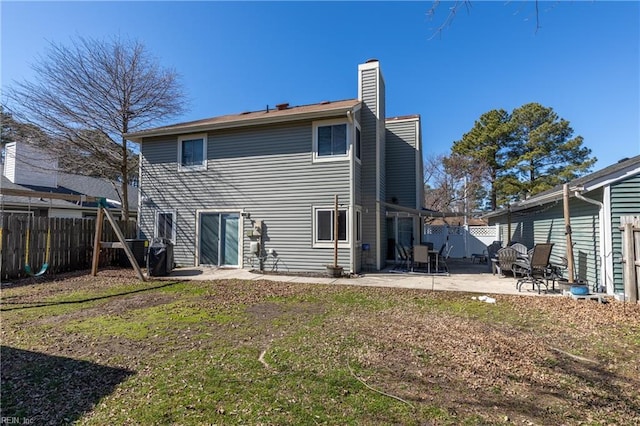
(401, 141)
(267, 172)
(625, 201)
(369, 139)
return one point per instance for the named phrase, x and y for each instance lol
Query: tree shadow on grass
(581, 391)
(561, 389)
(41, 304)
(43, 389)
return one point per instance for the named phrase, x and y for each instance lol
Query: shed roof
(621, 170)
(70, 184)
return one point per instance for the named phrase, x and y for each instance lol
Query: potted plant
(335, 271)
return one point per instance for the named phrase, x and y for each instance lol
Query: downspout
(352, 204)
(603, 242)
(139, 209)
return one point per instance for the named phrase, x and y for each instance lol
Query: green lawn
(109, 350)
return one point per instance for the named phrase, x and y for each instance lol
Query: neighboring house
(28, 169)
(597, 201)
(217, 185)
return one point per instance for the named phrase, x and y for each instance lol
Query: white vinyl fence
(463, 240)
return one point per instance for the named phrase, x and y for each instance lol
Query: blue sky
(583, 62)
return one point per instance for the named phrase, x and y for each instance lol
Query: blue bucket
(579, 290)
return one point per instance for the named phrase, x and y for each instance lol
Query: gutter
(577, 194)
(418, 212)
(352, 202)
(534, 201)
(262, 120)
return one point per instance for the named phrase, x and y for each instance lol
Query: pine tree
(521, 154)
(543, 152)
(485, 143)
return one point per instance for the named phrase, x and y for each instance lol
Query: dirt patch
(269, 311)
(29, 290)
(115, 306)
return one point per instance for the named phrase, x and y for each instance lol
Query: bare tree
(454, 8)
(88, 95)
(469, 174)
(441, 191)
(454, 183)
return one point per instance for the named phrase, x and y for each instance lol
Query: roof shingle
(248, 118)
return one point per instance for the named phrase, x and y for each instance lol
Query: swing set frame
(102, 212)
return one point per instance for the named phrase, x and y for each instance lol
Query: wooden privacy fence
(71, 244)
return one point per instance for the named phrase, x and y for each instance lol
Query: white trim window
(166, 225)
(323, 227)
(357, 144)
(331, 140)
(192, 152)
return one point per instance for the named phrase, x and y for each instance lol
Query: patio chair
(480, 257)
(506, 257)
(403, 259)
(558, 270)
(441, 259)
(492, 254)
(421, 257)
(448, 253)
(520, 248)
(536, 270)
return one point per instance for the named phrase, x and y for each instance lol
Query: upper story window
(192, 152)
(331, 140)
(357, 144)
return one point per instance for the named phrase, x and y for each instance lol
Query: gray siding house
(597, 201)
(222, 187)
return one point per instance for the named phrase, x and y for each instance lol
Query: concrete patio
(465, 277)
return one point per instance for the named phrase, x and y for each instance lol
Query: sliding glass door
(219, 239)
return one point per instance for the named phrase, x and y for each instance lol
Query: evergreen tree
(485, 144)
(520, 154)
(544, 152)
(14, 130)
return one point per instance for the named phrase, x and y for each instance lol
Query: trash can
(138, 248)
(160, 257)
